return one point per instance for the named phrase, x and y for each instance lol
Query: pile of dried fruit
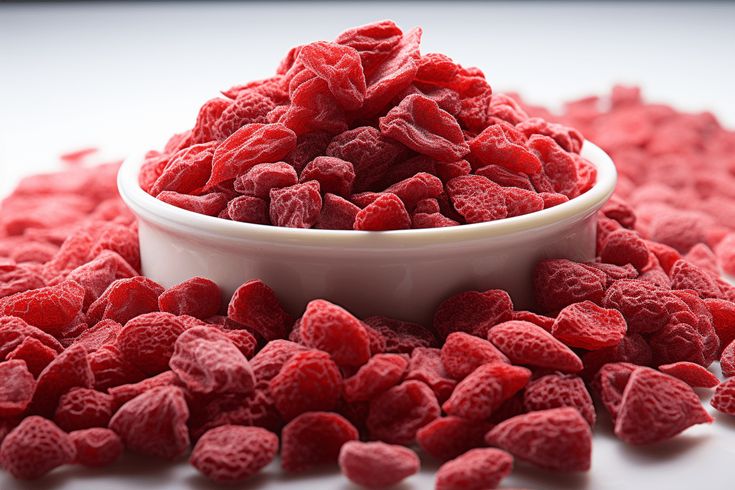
(95, 358)
(366, 133)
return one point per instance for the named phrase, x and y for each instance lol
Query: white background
(125, 77)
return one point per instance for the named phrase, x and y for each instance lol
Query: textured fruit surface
(477, 469)
(35, 447)
(448, 437)
(588, 326)
(313, 439)
(96, 447)
(559, 390)
(473, 312)
(377, 464)
(16, 388)
(397, 414)
(485, 389)
(330, 328)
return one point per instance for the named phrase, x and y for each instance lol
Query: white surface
(125, 77)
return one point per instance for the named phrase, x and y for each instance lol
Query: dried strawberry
(493, 147)
(588, 326)
(446, 438)
(297, 206)
(559, 390)
(692, 374)
(69, 370)
(426, 366)
(477, 198)
(34, 448)
(256, 306)
(376, 464)
(49, 308)
(271, 358)
(387, 212)
(16, 388)
(462, 353)
(97, 447)
(396, 414)
(261, 178)
(337, 213)
(248, 209)
(147, 341)
(724, 397)
(610, 382)
(374, 42)
(477, 469)
(382, 372)
(186, 171)
(313, 439)
(401, 337)
(328, 327)
(34, 353)
(526, 343)
(198, 297)
(485, 389)
(472, 312)
(210, 204)
(559, 282)
(340, 66)
(125, 299)
(83, 408)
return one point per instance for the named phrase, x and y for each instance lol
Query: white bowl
(401, 274)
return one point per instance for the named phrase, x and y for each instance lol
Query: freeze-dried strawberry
(147, 341)
(493, 146)
(256, 306)
(297, 206)
(313, 439)
(122, 394)
(154, 423)
(727, 360)
(334, 175)
(723, 319)
(416, 188)
(16, 388)
(49, 308)
(19, 279)
(703, 257)
(308, 381)
(462, 353)
(209, 113)
(125, 299)
(186, 171)
(542, 321)
(83, 408)
(337, 213)
(97, 447)
(374, 42)
(245, 342)
(326, 326)
(725, 251)
(110, 368)
(261, 178)
(396, 414)
(679, 342)
(207, 362)
(446, 438)
(646, 307)
(557, 439)
(209, 204)
(387, 212)
(340, 66)
(34, 448)
(429, 205)
(521, 201)
(401, 337)
(588, 326)
(692, 374)
(559, 282)
(34, 353)
(249, 107)
(559, 168)
(568, 138)
(269, 360)
(526, 343)
(613, 272)
(559, 390)
(477, 469)
(198, 297)
(472, 312)
(248, 209)
(426, 366)
(610, 382)
(313, 107)
(376, 464)
(382, 372)
(625, 247)
(504, 177)
(685, 275)
(552, 199)
(232, 453)
(477, 198)
(69, 370)
(656, 407)
(724, 397)
(96, 275)
(433, 220)
(248, 146)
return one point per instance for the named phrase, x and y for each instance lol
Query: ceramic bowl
(401, 274)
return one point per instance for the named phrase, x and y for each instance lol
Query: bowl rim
(151, 209)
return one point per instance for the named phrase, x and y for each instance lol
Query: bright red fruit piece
(210, 204)
(426, 366)
(50, 308)
(382, 372)
(198, 297)
(83, 408)
(97, 447)
(261, 178)
(326, 326)
(35, 447)
(297, 206)
(34, 353)
(588, 326)
(340, 67)
(232, 453)
(401, 337)
(271, 358)
(727, 360)
(69, 370)
(477, 199)
(462, 353)
(16, 388)
(559, 282)
(387, 212)
(395, 415)
(692, 374)
(494, 147)
(337, 213)
(334, 175)
(473, 312)
(558, 439)
(374, 42)
(256, 306)
(147, 341)
(446, 438)
(724, 397)
(477, 469)
(723, 319)
(313, 439)
(559, 390)
(125, 299)
(376, 464)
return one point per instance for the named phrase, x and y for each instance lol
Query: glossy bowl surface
(402, 274)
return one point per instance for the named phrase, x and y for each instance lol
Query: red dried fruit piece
(34, 353)
(625, 247)
(387, 212)
(421, 125)
(208, 204)
(494, 146)
(124, 393)
(559, 168)
(147, 341)
(426, 366)
(382, 372)
(374, 42)
(334, 175)
(96, 275)
(271, 358)
(446, 438)
(477, 198)
(232, 453)
(542, 321)
(727, 360)
(692, 374)
(154, 423)
(35, 447)
(481, 393)
(504, 177)
(568, 138)
(552, 199)
(703, 257)
(49, 308)
(18, 280)
(249, 107)
(186, 171)
(395, 415)
(521, 201)
(558, 439)
(245, 342)
(462, 353)
(69, 370)
(724, 397)
(472, 312)
(83, 408)
(248, 146)
(261, 178)
(326, 326)
(679, 342)
(376, 464)
(613, 272)
(427, 206)
(309, 381)
(313, 107)
(207, 363)
(723, 319)
(97, 447)
(297, 206)
(557, 391)
(125, 299)
(209, 113)
(725, 251)
(340, 67)
(526, 343)
(685, 275)
(656, 407)
(313, 439)
(248, 209)
(417, 188)
(646, 307)
(588, 326)
(477, 469)
(401, 337)
(308, 147)
(337, 213)
(256, 306)
(16, 388)
(610, 382)
(198, 297)
(667, 256)
(433, 220)
(559, 282)
(110, 368)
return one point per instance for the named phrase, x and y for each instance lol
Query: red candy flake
(154, 423)
(256, 306)
(656, 407)
(309, 381)
(473, 312)
(48, 308)
(446, 438)
(232, 453)
(313, 439)
(207, 362)
(462, 353)
(557, 439)
(261, 178)
(526, 343)
(16, 388)
(387, 212)
(126, 299)
(477, 198)
(559, 282)
(376, 464)
(147, 341)
(34, 448)
(692, 374)
(477, 469)
(83, 408)
(559, 390)
(588, 326)
(69, 370)
(382, 372)
(724, 397)
(326, 326)
(397, 414)
(97, 447)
